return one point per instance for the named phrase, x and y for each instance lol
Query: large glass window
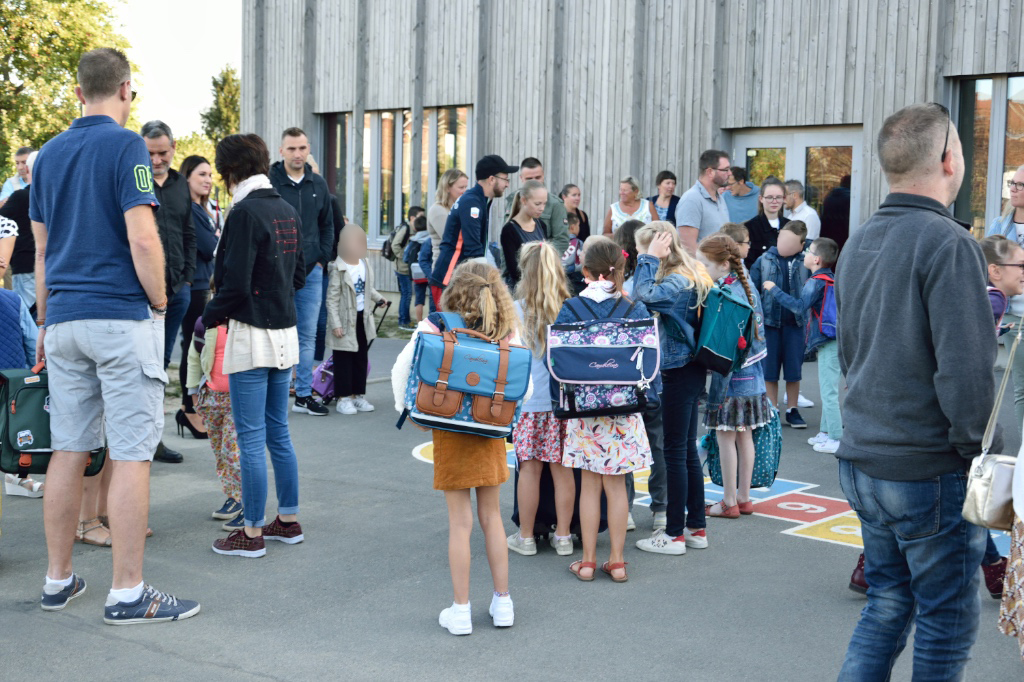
(824, 172)
(384, 164)
(766, 162)
(974, 123)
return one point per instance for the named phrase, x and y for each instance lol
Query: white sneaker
(525, 546)
(820, 438)
(501, 611)
(362, 404)
(696, 541)
(827, 446)
(801, 401)
(661, 543)
(458, 618)
(346, 406)
(630, 523)
(660, 520)
(563, 546)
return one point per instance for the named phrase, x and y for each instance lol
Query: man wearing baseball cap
(465, 232)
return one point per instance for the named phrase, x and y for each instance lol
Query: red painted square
(801, 507)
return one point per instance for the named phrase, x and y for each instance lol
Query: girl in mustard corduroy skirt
(463, 462)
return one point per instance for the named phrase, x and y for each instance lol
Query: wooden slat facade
(599, 89)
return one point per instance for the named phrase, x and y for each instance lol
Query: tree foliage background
(41, 42)
(223, 117)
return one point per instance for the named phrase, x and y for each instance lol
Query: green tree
(222, 119)
(40, 45)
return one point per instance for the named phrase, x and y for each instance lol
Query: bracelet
(41, 323)
(159, 306)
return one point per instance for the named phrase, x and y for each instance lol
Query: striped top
(642, 213)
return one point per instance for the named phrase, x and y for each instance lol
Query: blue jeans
(321, 325)
(684, 479)
(259, 406)
(405, 290)
(177, 306)
(24, 285)
(308, 301)
(423, 293)
(921, 562)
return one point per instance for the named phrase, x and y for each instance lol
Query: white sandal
(16, 486)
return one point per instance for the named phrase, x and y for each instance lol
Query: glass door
(826, 160)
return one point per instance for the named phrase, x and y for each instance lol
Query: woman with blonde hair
(674, 284)
(524, 226)
(539, 437)
(630, 206)
(450, 186)
(463, 461)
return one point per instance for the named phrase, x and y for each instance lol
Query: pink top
(218, 381)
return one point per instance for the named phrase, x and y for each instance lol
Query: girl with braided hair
(738, 403)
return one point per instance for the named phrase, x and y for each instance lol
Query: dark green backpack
(25, 425)
(727, 329)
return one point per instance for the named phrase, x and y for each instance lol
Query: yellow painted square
(841, 530)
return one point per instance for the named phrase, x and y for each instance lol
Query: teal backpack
(727, 331)
(25, 424)
(767, 453)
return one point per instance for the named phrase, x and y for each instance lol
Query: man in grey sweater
(917, 347)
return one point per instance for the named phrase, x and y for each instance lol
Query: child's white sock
(54, 586)
(125, 596)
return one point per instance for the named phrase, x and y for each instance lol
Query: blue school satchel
(767, 453)
(828, 315)
(462, 381)
(603, 366)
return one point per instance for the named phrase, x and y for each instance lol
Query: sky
(177, 48)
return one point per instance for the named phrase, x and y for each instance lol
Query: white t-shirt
(358, 273)
(774, 223)
(809, 217)
(1020, 232)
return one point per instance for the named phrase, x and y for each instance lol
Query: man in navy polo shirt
(101, 301)
(465, 233)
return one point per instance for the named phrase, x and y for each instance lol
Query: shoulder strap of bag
(573, 304)
(990, 429)
(446, 321)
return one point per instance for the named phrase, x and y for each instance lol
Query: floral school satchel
(603, 366)
(462, 381)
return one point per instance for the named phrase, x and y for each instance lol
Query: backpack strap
(446, 321)
(573, 305)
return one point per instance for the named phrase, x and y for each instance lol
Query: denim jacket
(769, 268)
(811, 298)
(747, 381)
(675, 305)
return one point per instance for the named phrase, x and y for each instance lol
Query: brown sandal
(608, 568)
(579, 566)
(105, 520)
(84, 528)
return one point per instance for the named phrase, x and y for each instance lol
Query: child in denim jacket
(819, 259)
(738, 403)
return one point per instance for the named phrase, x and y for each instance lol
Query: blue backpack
(462, 381)
(603, 365)
(767, 453)
(828, 316)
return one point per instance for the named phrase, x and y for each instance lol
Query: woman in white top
(449, 188)
(630, 206)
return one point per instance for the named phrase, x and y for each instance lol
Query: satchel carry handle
(990, 429)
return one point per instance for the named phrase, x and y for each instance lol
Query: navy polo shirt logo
(143, 179)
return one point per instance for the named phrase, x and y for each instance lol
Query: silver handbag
(989, 499)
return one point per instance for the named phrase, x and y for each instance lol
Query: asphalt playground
(359, 599)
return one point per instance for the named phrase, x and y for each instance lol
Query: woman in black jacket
(258, 268)
(764, 227)
(198, 175)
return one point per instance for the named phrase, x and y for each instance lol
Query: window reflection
(974, 122)
(1014, 155)
(765, 162)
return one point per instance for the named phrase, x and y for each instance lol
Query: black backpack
(388, 249)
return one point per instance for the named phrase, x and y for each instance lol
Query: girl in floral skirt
(738, 403)
(604, 448)
(539, 436)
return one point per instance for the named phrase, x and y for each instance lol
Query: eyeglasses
(949, 122)
(133, 91)
(1012, 265)
(774, 198)
(723, 170)
(1015, 186)
(502, 177)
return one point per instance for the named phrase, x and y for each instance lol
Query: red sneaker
(238, 543)
(290, 534)
(994, 577)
